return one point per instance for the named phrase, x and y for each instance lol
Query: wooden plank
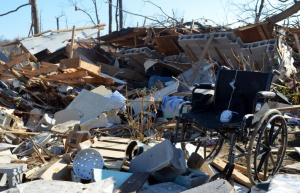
(19, 132)
(198, 64)
(133, 183)
(237, 176)
(44, 70)
(36, 148)
(80, 28)
(295, 31)
(128, 74)
(261, 32)
(220, 56)
(17, 60)
(77, 63)
(195, 58)
(111, 154)
(32, 67)
(288, 108)
(45, 64)
(9, 44)
(197, 162)
(100, 80)
(244, 170)
(72, 42)
(66, 76)
(109, 145)
(115, 139)
(32, 57)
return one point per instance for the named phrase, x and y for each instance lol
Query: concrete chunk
(168, 187)
(100, 174)
(51, 186)
(218, 186)
(191, 178)
(163, 161)
(64, 127)
(85, 104)
(14, 173)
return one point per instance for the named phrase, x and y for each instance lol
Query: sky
(17, 24)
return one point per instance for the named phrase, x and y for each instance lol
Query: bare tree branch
(284, 14)
(168, 17)
(149, 18)
(258, 14)
(15, 9)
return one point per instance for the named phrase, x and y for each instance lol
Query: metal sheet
(54, 42)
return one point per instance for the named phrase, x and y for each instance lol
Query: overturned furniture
(251, 128)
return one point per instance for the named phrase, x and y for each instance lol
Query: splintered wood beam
(237, 176)
(198, 64)
(15, 73)
(66, 76)
(80, 28)
(220, 56)
(191, 52)
(32, 57)
(17, 60)
(9, 44)
(72, 42)
(42, 70)
(33, 68)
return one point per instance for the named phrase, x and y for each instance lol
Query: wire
(233, 88)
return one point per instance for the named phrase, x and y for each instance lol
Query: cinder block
(45, 124)
(191, 178)
(163, 161)
(218, 186)
(14, 173)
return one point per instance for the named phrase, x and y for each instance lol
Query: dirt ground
(290, 157)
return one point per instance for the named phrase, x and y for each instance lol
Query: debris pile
(85, 114)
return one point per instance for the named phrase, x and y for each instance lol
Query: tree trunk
(258, 14)
(110, 16)
(57, 23)
(35, 16)
(121, 14)
(284, 14)
(116, 16)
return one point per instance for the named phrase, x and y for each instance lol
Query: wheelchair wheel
(210, 148)
(267, 147)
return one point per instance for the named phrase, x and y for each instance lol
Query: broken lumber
(237, 176)
(17, 60)
(133, 183)
(66, 76)
(80, 28)
(288, 108)
(198, 64)
(100, 80)
(77, 64)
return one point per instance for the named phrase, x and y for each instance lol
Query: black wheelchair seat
(212, 119)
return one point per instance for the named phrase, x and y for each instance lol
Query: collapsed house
(101, 113)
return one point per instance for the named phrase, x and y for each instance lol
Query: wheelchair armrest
(205, 86)
(276, 72)
(266, 94)
(182, 105)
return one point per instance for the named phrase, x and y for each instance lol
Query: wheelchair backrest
(247, 84)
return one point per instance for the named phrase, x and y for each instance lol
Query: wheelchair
(255, 131)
